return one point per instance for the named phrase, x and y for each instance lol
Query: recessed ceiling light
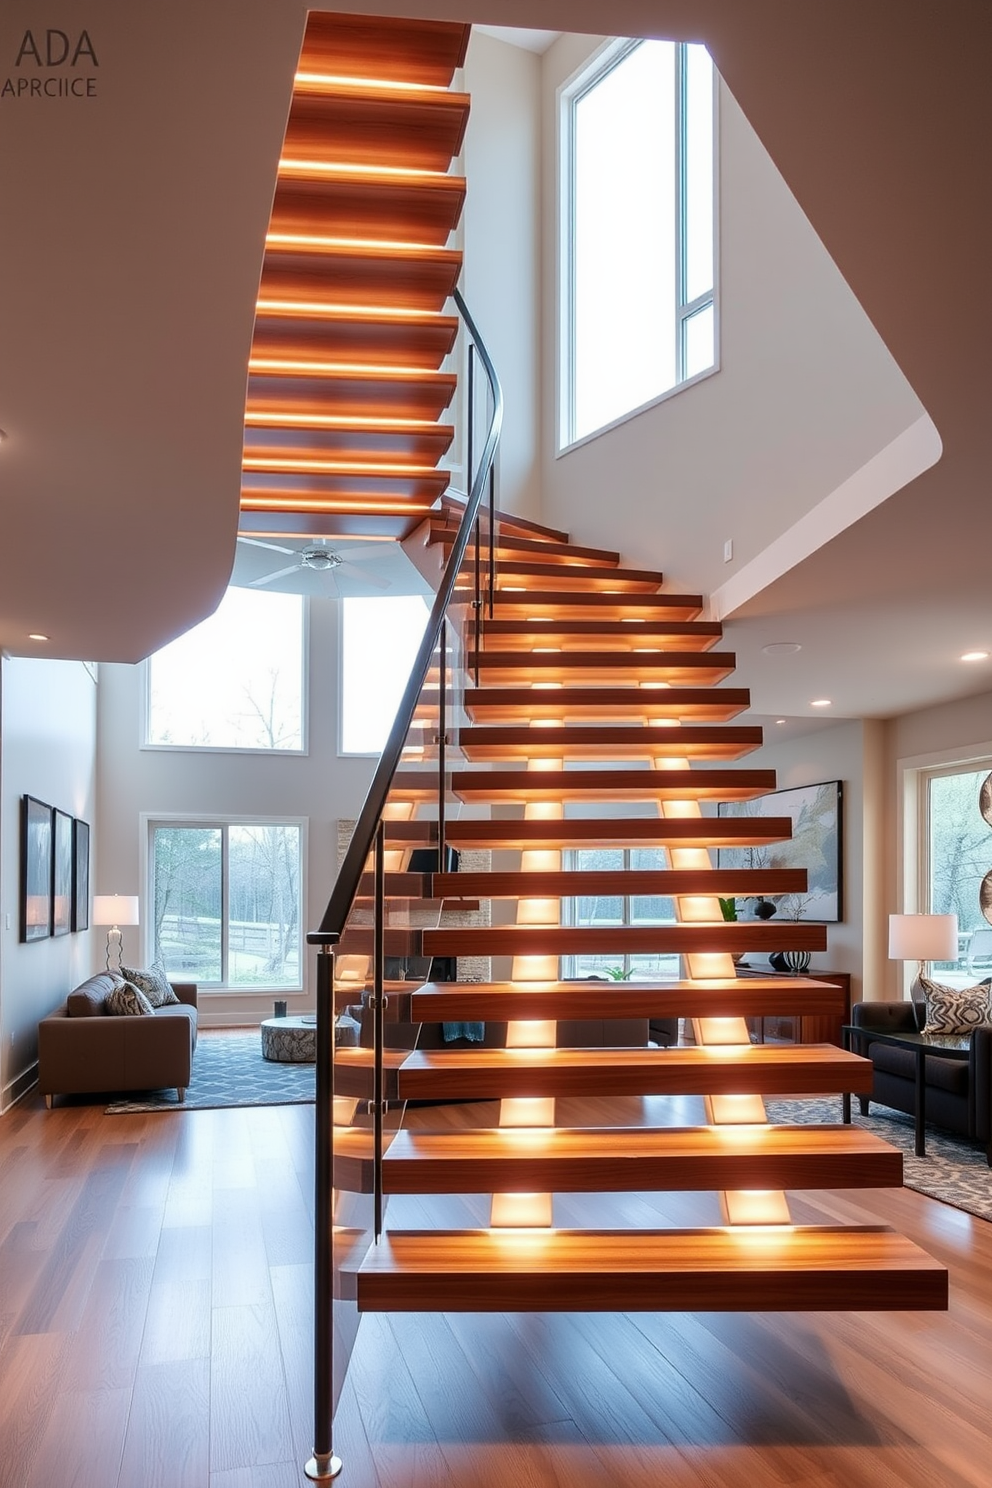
(821, 702)
(36, 635)
(781, 648)
(974, 656)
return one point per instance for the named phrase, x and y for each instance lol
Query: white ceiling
(130, 277)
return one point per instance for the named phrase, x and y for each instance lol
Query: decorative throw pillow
(956, 1009)
(128, 1001)
(154, 983)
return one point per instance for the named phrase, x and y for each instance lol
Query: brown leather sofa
(82, 1048)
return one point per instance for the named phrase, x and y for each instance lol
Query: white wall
(319, 786)
(501, 279)
(806, 393)
(845, 752)
(47, 750)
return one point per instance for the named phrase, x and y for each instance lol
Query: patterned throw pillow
(128, 1001)
(956, 1009)
(153, 983)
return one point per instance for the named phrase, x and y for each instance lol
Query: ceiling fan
(316, 567)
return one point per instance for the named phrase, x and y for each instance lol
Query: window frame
(144, 718)
(571, 861)
(592, 71)
(222, 821)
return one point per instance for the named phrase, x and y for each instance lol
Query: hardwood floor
(155, 1330)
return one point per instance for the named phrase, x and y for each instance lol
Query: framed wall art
(80, 875)
(61, 872)
(36, 869)
(816, 845)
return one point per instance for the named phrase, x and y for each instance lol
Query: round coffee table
(290, 1040)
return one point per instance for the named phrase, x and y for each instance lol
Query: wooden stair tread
(603, 666)
(437, 1002)
(793, 1268)
(522, 602)
(592, 940)
(293, 329)
(572, 883)
(316, 388)
(453, 507)
(723, 831)
(514, 703)
(422, 485)
(543, 549)
(606, 742)
(579, 577)
(385, 47)
(600, 635)
(745, 1069)
(611, 785)
(407, 127)
(612, 1159)
(384, 440)
(360, 274)
(374, 204)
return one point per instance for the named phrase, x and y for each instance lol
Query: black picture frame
(817, 844)
(80, 875)
(36, 869)
(61, 872)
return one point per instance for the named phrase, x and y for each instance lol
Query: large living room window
(234, 682)
(618, 909)
(379, 640)
(226, 899)
(957, 852)
(638, 256)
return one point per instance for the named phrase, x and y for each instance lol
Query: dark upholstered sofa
(958, 1092)
(82, 1048)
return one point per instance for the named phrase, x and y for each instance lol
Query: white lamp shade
(923, 937)
(115, 909)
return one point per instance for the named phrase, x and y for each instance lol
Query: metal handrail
(363, 838)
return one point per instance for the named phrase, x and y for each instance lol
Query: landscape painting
(816, 845)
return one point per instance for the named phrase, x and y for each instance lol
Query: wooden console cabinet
(802, 1028)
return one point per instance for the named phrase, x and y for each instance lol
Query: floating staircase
(349, 377)
(629, 723)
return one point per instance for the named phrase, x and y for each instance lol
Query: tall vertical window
(957, 857)
(638, 260)
(236, 681)
(620, 909)
(227, 901)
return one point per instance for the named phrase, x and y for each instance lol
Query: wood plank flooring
(155, 1330)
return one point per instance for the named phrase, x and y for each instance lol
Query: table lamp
(923, 937)
(115, 910)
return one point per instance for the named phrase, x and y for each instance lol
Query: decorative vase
(796, 962)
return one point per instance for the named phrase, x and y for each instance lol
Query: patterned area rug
(228, 1070)
(954, 1169)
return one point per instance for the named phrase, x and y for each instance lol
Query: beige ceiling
(130, 245)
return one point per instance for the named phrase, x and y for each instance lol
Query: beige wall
(47, 750)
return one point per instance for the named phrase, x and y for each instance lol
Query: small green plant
(617, 973)
(728, 908)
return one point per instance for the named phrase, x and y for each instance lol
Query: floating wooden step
(572, 883)
(611, 742)
(723, 831)
(413, 275)
(614, 1159)
(390, 441)
(265, 514)
(293, 329)
(751, 1069)
(687, 668)
(510, 545)
(720, 1270)
(453, 509)
(578, 577)
(510, 704)
(386, 48)
(324, 476)
(594, 940)
(313, 388)
(601, 635)
(353, 1068)
(611, 785)
(523, 601)
(359, 940)
(346, 202)
(747, 997)
(412, 128)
